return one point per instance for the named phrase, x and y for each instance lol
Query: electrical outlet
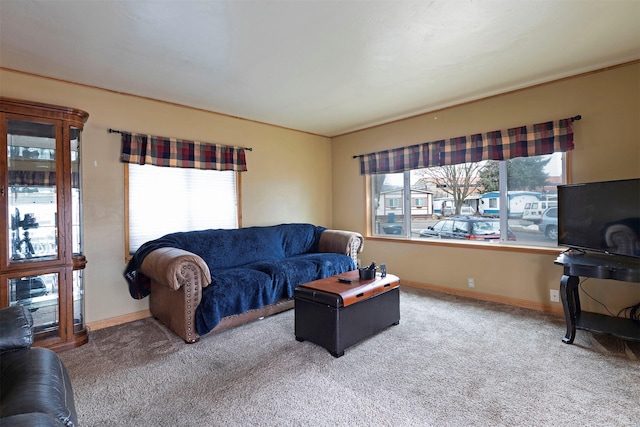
(471, 282)
(554, 295)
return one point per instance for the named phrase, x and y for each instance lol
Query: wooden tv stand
(600, 266)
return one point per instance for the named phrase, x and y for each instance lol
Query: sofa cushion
(290, 272)
(237, 247)
(35, 380)
(299, 239)
(233, 291)
(16, 325)
(236, 290)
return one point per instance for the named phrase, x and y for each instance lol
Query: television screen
(600, 216)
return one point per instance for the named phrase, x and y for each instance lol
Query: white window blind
(164, 200)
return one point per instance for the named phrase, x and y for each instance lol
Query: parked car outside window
(549, 223)
(466, 228)
(533, 210)
(392, 229)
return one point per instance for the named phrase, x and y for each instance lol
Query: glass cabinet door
(32, 191)
(76, 192)
(40, 295)
(41, 259)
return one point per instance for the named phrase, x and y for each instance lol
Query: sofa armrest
(342, 242)
(16, 328)
(165, 265)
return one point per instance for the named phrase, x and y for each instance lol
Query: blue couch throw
(250, 267)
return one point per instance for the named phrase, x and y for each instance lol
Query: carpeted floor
(450, 362)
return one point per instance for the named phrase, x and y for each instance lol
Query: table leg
(570, 304)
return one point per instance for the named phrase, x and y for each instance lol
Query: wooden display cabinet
(41, 260)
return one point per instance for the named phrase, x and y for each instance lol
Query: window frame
(128, 255)
(503, 245)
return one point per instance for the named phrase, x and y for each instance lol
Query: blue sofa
(209, 280)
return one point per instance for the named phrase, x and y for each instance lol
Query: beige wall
(607, 143)
(289, 176)
(322, 184)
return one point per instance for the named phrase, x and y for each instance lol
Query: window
(394, 202)
(447, 226)
(503, 190)
(440, 226)
(164, 200)
(461, 227)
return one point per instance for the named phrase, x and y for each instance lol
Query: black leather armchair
(35, 389)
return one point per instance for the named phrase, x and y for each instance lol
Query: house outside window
(486, 190)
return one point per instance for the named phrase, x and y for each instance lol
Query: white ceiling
(325, 67)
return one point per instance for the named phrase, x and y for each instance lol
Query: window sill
(498, 246)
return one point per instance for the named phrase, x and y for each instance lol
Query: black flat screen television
(600, 216)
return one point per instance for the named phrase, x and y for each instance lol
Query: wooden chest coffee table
(337, 315)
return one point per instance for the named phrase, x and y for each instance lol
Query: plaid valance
(523, 141)
(401, 159)
(180, 153)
